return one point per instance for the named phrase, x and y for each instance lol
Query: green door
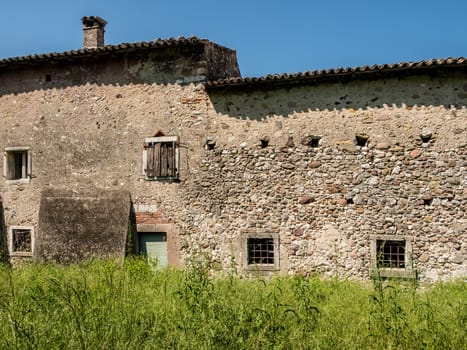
(154, 245)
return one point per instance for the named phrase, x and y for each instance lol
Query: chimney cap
(93, 21)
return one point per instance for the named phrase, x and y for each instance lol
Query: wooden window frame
(9, 164)
(158, 173)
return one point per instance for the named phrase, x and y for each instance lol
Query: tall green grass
(107, 305)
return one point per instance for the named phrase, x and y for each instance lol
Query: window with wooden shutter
(160, 158)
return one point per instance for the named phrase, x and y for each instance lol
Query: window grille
(22, 241)
(260, 251)
(390, 254)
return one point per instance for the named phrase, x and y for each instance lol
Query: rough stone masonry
(347, 171)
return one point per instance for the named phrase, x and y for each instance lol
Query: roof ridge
(158, 42)
(322, 73)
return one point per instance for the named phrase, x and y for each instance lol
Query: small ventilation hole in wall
(210, 144)
(427, 201)
(311, 141)
(315, 141)
(264, 142)
(426, 137)
(361, 139)
(349, 200)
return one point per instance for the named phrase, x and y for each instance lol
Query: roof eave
(339, 73)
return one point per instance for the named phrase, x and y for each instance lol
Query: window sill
(20, 254)
(18, 182)
(262, 267)
(392, 273)
(162, 179)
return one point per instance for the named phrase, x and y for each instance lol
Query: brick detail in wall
(151, 218)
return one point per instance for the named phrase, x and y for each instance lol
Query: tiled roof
(337, 72)
(107, 49)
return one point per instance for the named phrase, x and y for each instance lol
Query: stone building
(163, 148)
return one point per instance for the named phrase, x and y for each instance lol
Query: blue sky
(270, 36)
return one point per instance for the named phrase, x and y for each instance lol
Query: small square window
(161, 158)
(17, 164)
(261, 252)
(21, 240)
(391, 256)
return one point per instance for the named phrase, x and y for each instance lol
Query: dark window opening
(21, 240)
(48, 77)
(16, 165)
(390, 254)
(260, 251)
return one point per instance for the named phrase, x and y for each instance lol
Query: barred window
(21, 240)
(160, 158)
(261, 251)
(390, 254)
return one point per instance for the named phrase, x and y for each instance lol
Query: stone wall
(169, 64)
(324, 202)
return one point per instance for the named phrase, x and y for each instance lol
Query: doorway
(154, 246)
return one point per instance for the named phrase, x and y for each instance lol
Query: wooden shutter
(157, 160)
(160, 157)
(170, 159)
(150, 161)
(163, 160)
(5, 165)
(11, 166)
(29, 164)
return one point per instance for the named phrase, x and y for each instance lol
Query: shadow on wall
(442, 87)
(131, 239)
(77, 225)
(169, 65)
(3, 235)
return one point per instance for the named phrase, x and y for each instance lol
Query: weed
(110, 305)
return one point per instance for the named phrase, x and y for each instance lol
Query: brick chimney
(93, 30)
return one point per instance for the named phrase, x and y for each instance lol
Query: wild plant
(110, 305)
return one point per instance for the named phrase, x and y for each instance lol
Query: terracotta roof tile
(158, 43)
(341, 71)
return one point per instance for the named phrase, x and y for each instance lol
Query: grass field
(107, 305)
